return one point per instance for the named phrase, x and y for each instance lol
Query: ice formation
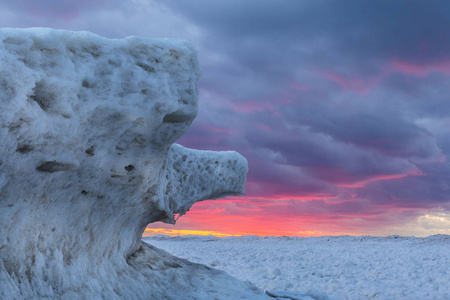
(87, 160)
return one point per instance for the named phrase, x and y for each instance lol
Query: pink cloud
(363, 183)
(246, 107)
(264, 127)
(301, 87)
(220, 130)
(355, 84)
(409, 68)
(63, 10)
(363, 85)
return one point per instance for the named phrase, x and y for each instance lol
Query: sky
(342, 108)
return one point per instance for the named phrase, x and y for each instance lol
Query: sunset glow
(175, 232)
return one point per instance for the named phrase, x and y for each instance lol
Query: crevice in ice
(87, 84)
(146, 67)
(177, 117)
(90, 151)
(129, 168)
(42, 95)
(24, 148)
(55, 166)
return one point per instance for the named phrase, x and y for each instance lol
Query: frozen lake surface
(343, 267)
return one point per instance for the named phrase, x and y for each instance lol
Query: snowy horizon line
(395, 236)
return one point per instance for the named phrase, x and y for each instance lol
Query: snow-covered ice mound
(87, 160)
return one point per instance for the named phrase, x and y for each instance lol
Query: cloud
(349, 34)
(439, 219)
(343, 99)
(64, 9)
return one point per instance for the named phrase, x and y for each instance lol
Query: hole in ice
(174, 53)
(24, 148)
(54, 166)
(87, 84)
(146, 67)
(83, 192)
(13, 41)
(43, 95)
(171, 264)
(90, 151)
(93, 50)
(176, 118)
(129, 168)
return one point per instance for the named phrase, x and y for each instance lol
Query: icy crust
(87, 160)
(328, 267)
(200, 175)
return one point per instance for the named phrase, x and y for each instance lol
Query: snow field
(341, 267)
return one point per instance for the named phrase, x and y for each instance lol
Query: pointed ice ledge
(199, 175)
(86, 162)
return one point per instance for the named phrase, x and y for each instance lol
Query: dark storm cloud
(63, 9)
(276, 39)
(427, 191)
(332, 161)
(381, 128)
(338, 97)
(358, 29)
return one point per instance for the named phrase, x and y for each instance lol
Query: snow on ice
(343, 267)
(87, 161)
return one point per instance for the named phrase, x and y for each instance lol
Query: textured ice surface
(86, 162)
(339, 268)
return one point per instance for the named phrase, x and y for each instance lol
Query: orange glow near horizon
(205, 219)
(232, 218)
(238, 230)
(176, 232)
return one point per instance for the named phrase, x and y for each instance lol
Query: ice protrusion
(193, 175)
